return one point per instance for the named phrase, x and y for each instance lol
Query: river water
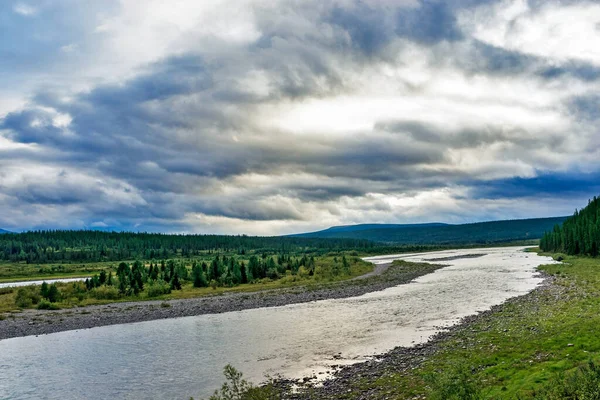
(182, 357)
(48, 281)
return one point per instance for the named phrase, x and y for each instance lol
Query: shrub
(237, 388)
(303, 272)
(6, 290)
(105, 293)
(158, 288)
(272, 274)
(46, 305)
(289, 279)
(458, 383)
(26, 297)
(583, 384)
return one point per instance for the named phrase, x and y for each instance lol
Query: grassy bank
(514, 352)
(74, 294)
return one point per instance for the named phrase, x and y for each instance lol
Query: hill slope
(364, 227)
(3, 231)
(482, 232)
(579, 234)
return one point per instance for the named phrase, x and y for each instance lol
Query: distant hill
(3, 231)
(437, 233)
(364, 227)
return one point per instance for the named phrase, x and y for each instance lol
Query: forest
(152, 279)
(578, 235)
(42, 247)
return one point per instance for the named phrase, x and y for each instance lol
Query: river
(182, 357)
(48, 281)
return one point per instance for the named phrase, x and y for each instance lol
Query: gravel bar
(38, 322)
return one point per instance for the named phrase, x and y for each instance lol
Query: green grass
(74, 299)
(11, 272)
(519, 350)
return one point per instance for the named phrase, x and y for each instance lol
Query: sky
(272, 117)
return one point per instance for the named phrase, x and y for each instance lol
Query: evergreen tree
(53, 293)
(198, 276)
(244, 273)
(175, 283)
(44, 290)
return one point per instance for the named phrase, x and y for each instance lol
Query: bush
(46, 305)
(289, 279)
(105, 293)
(158, 288)
(237, 388)
(273, 274)
(26, 297)
(458, 383)
(583, 384)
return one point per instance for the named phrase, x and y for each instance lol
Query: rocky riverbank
(359, 381)
(37, 322)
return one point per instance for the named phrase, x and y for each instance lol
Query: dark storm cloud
(586, 107)
(184, 135)
(431, 22)
(366, 26)
(545, 184)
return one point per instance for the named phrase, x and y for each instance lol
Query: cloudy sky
(274, 116)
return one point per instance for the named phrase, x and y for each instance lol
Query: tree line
(162, 277)
(579, 234)
(92, 246)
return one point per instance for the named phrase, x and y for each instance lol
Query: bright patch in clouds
(277, 117)
(24, 9)
(557, 31)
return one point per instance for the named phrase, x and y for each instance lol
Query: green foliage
(44, 289)
(26, 297)
(89, 246)
(237, 388)
(583, 384)
(455, 383)
(53, 293)
(198, 276)
(46, 305)
(158, 288)
(175, 282)
(579, 234)
(105, 293)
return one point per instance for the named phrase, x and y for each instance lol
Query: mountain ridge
(440, 233)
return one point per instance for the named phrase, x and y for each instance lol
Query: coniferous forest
(91, 246)
(579, 234)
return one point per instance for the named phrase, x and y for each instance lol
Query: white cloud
(298, 131)
(25, 9)
(69, 48)
(554, 30)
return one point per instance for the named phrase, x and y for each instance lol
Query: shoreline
(40, 322)
(341, 384)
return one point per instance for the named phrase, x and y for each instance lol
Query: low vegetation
(524, 350)
(237, 388)
(181, 278)
(541, 346)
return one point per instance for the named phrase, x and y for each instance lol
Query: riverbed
(182, 357)
(39, 282)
